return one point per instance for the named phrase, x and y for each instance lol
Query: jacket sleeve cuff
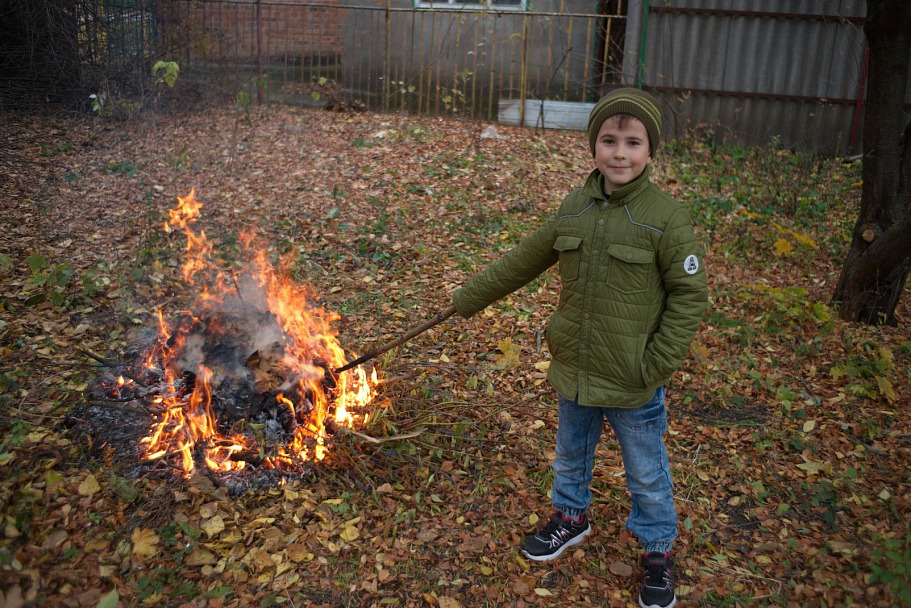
(462, 307)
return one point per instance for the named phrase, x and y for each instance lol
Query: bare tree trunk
(877, 266)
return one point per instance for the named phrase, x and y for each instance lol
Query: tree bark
(875, 271)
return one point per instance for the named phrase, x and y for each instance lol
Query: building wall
(227, 30)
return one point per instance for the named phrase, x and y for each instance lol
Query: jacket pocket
(569, 248)
(631, 268)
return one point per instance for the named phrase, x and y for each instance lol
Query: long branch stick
(436, 320)
(364, 437)
(112, 365)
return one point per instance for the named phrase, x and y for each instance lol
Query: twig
(112, 365)
(9, 159)
(335, 428)
(113, 405)
(237, 288)
(118, 399)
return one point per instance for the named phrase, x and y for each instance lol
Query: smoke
(193, 354)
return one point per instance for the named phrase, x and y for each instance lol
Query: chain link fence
(458, 59)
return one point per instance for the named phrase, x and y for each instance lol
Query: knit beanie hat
(626, 101)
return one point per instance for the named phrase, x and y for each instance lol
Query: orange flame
(188, 427)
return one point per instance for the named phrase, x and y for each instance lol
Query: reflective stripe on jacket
(633, 290)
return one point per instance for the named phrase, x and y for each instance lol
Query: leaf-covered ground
(789, 434)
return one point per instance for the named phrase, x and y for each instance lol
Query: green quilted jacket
(633, 290)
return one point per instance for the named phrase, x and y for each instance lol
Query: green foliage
(867, 371)
(787, 310)
(180, 159)
(124, 168)
(95, 281)
(242, 101)
(169, 70)
(744, 192)
(46, 282)
(891, 565)
(57, 148)
(109, 102)
(59, 283)
(453, 98)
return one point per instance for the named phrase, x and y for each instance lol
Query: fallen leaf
(200, 557)
(621, 569)
(144, 542)
(298, 552)
(350, 533)
(89, 486)
(783, 248)
(213, 526)
(111, 599)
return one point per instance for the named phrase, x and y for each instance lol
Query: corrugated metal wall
(778, 71)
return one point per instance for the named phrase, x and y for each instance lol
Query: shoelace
(658, 575)
(553, 531)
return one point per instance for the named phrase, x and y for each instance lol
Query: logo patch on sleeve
(691, 264)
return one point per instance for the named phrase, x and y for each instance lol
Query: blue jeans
(648, 474)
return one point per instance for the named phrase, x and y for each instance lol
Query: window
(508, 5)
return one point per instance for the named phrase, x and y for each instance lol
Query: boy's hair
(627, 101)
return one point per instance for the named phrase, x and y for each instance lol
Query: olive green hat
(627, 101)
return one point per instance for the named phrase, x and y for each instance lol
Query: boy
(633, 293)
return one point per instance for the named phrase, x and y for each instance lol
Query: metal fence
(448, 60)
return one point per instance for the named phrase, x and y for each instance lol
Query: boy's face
(621, 151)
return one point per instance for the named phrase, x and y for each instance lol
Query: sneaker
(559, 533)
(657, 581)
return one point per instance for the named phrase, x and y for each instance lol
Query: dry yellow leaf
(89, 486)
(350, 533)
(145, 542)
(200, 557)
(297, 553)
(213, 526)
(783, 248)
(258, 559)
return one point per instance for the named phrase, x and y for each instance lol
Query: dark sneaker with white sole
(559, 534)
(657, 581)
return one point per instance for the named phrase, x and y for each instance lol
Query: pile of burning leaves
(242, 381)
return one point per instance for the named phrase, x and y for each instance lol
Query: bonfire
(249, 375)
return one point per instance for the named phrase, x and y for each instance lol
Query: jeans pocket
(647, 417)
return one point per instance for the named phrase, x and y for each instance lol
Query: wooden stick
(335, 428)
(436, 320)
(114, 405)
(112, 365)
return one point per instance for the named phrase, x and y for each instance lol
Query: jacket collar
(594, 185)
